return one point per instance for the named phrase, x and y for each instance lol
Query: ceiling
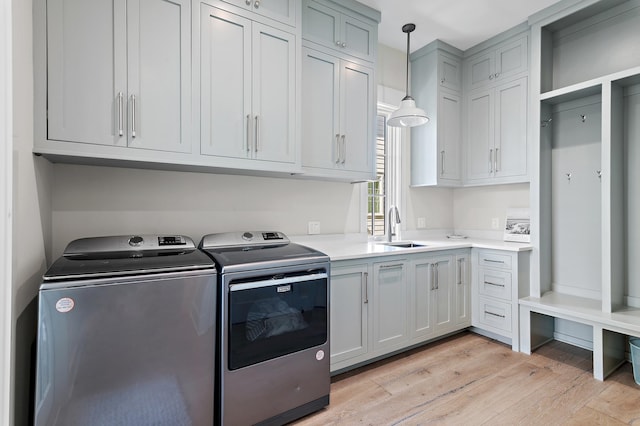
(461, 23)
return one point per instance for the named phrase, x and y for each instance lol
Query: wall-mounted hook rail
(545, 123)
(583, 117)
(568, 176)
(599, 173)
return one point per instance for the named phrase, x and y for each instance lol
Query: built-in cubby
(585, 190)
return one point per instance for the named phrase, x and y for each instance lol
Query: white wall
(6, 310)
(90, 201)
(31, 209)
(474, 208)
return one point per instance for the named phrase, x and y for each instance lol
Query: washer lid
(127, 255)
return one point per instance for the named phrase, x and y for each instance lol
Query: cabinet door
(356, 117)
(357, 37)
(463, 290)
(280, 10)
(274, 89)
(443, 301)
(321, 24)
(449, 72)
(480, 70)
(480, 123)
(86, 71)
(449, 136)
(390, 305)
(349, 304)
(512, 58)
(320, 109)
(159, 59)
(422, 280)
(510, 148)
(225, 97)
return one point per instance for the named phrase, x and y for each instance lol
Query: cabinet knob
(338, 43)
(256, 4)
(497, 75)
(247, 2)
(344, 44)
(442, 81)
(491, 77)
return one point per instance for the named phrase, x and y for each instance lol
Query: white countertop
(348, 247)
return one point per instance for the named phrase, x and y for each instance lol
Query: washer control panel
(86, 247)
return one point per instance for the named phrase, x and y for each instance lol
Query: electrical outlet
(422, 223)
(313, 227)
(495, 223)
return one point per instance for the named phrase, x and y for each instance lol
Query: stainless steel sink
(404, 244)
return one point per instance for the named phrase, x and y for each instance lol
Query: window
(377, 191)
(385, 190)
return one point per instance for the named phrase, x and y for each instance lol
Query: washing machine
(126, 334)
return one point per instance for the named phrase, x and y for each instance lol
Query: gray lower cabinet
(349, 312)
(501, 278)
(391, 303)
(390, 314)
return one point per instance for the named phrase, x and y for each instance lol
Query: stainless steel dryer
(126, 334)
(274, 327)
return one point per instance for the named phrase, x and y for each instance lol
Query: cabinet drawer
(494, 283)
(494, 260)
(494, 313)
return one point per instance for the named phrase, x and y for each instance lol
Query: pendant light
(408, 115)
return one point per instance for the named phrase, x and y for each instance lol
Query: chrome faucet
(393, 212)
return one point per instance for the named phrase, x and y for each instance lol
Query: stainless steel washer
(126, 334)
(274, 327)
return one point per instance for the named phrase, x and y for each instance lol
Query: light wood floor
(471, 380)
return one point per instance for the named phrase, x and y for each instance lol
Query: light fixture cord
(407, 82)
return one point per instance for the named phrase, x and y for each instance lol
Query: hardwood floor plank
(472, 380)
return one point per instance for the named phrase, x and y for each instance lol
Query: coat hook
(568, 176)
(599, 173)
(545, 123)
(583, 117)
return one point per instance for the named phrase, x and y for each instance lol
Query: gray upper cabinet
(247, 88)
(118, 74)
(337, 124)
(436, 147)
(281, 10)
(449, 72)
(498, 64)
(335, 28)
(496, 141)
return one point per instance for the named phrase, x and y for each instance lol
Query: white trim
(6, 174)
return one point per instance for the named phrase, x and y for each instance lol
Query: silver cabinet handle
(344, 148)
(338, 150)
(257, 144)
(365, 283)
(442, 162)
(495, 315)
(491, 161)
(248, 132)
(120, 114)
(133, 116)
(460, 276)
(494, 284)
(495, 159)
(437, 276)
(256, 4)
(433, 276)
(493, 261)
(392, 265)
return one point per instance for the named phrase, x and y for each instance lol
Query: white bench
(609, 329)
